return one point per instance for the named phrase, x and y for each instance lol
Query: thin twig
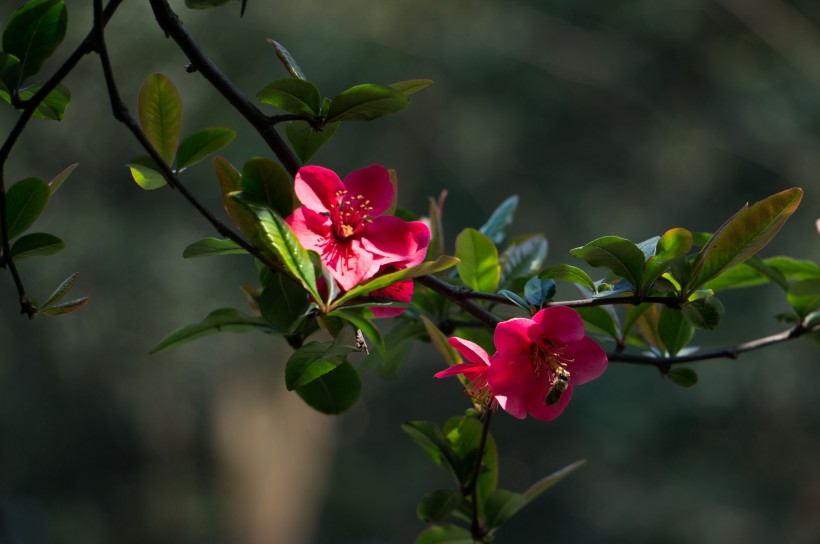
(476, 529)
(732, 352)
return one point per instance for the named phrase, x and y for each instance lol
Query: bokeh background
(622, 118)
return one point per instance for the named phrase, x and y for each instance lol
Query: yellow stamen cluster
(352, 213)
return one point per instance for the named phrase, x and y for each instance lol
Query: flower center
(549, 358)
(350, 214)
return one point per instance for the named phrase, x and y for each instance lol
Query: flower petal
(470, 350)
(348, 262)
(374, 184)
(313, 230)
(559, 325)
(512, 376)
(392, 238)
(511, 337)
(589, 360)
(316, 188)
(468, 369)
(401, 291)
(539, 410)
(513, 406)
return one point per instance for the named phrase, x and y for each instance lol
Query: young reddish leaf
(743, 235)
(160, 112)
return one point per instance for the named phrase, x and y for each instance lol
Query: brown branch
(457, 295)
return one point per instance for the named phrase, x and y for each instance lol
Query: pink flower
(475, 371)
(342, 222)
(537, 363)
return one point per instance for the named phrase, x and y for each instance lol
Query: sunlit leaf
(160, 113)
(146, 177)
(478, 267)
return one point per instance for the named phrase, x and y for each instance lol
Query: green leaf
(222, 320)
(267, 182)
(618, 254)
(743, 235)
(366, 326)
(146, 177)
(430, 438)
(33, 33)
(464, 433)
(287, 60)
(496, 226)
(479, 268)
(293, 95)
(283, 302)
(804, 296)
(334, 392)
(675, 331)
(36, 244)
(704, 313)
(58, 180)
(439, 340)
(428, 267)
(794, 269)
(599, 320)
(64, 307)
(538, 291)
(25, 201)
(204, 4)
(305, 140)
(445, 534)
(9, 75)
(278, 238)
(209, 247)
(53, 105)
(411, 86)
(200, 144)
(568, 273)
(437, 505)
(502, 505)
(313, 360)
(160, 112)
(684, 377)
(673, 243)
(548, 481)
(516, 299)
(366, 102)
(61, 290)
(522, 259)
(230, 181)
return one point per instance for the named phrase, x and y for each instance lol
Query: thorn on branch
(190, 68)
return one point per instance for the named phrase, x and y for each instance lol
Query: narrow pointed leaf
(200, 144)
(61, 290)
(496, 226)
(160, 113)
(743, 235)
(267, 182)
(222, 320)
(36, 244)
(334, 392)
(411, 86)
(64, 307)
(33, 33)
(286, 59)
(25, 201)
(366, 102)
(305, 140)
(548, 481)
(439, 340)
(293, 95)
(58, 180)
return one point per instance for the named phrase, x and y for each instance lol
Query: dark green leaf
(515, 298)
(64, 307)
(496, 226)
(804, 296)
(9, 75)
(548, 481)
(600, 320)
(313, 360)
(502, 505)
(437, 505)
(366, 102)
(283, 302)
(53, 105)
(522, 260)
(704, 313)
(618, 254)
(222, 320)
(146, 177)
(464, 433)
(445, 534)
(265, 181)
(428, 267)
(675, 331)
(33, 33)
(411, 86)
(25, 201)
(160, 112)
(569, 273)
(439, 339)
(58, 180)
(200, 144)
(743, 235)
(305, 140)
(293, 95)
(684, 377)
(36, 244)
(286, 59)
(431, 439)
(479, 268)
(334, 392)
(230, 181)
(278, 238)
(204, 4)
(538, 291)
(366, 326)
(209, 247)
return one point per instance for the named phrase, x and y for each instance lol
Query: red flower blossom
(342, 222)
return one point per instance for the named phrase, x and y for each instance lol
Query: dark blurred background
(623, 118)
